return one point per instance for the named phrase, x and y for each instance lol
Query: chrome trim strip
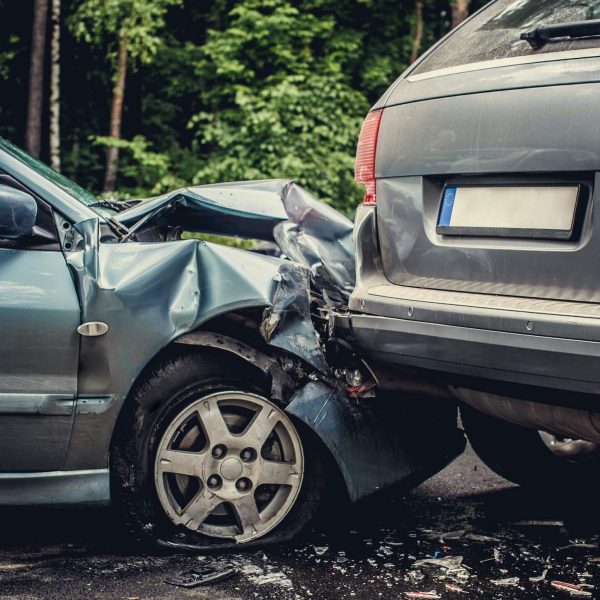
(55, 487)
(36, 404)
(507, 62)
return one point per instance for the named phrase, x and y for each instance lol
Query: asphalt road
(370, 553)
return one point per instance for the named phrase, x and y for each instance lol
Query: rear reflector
(364, 166)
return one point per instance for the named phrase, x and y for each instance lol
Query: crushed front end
(382, 428)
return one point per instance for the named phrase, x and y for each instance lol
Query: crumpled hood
(306, 230)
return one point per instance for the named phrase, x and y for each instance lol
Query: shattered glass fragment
(204, 575)
(539, 578)
(571, 589)
(506, 581)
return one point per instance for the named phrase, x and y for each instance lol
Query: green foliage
(222, 89)
(276, 103)
(144, 168)
(137, 21)
(7, 55)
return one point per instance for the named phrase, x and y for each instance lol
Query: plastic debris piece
(431, 594)
(579, 545)
(451, 565)
(448, 562)
(320, 550)
(477, 537)
(570, 588)
(539, 578)
(505, 581)
(205, 575)
(453, 535)
(450, 587)
(539, 523)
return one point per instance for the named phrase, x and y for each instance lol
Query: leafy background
(217, 90)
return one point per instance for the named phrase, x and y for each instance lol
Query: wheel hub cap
(231, 468)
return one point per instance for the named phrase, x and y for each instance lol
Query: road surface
(367, 552)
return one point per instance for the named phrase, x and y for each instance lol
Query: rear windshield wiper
(538, 36)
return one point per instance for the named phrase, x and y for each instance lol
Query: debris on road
(448, 562)
(571, 588)
(452, 535)
(268, 575)
(451, 565)
(431, 594)
(505, 581)
(204, 575)
(539, 578)
(450, 587)
(578, 545)
(476, 537)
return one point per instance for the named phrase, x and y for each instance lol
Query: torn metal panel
(248, 208)
(376, 447)
(306, 230)
(281, 382)
(287, 323)
(320, 238)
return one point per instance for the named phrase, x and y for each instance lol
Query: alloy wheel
(230, 465)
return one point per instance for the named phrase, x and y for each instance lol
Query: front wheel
(205, 457)
(529, 457)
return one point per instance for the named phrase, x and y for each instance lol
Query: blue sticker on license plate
(447, 206)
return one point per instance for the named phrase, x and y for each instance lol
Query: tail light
(364, 167)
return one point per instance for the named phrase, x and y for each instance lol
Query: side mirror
(18, 211)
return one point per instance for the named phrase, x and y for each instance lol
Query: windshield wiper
(540, 35)
(116, 205)
(119, 229)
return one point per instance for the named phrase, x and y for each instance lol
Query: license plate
(507, 211)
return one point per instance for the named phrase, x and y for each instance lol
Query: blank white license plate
(506, 211)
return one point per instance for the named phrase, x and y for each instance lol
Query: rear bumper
(547, 344)
(566, 364)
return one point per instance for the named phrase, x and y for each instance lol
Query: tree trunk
(417, 38)
(116, 114)
(55, 87)
(33, 126)
(460, 11)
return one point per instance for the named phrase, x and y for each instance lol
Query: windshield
(43, 169)
(495, 32)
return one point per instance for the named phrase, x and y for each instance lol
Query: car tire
(188, 464)
(521, 455)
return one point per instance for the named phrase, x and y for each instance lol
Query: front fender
(149, 294)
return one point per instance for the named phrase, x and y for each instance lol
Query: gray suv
(477, 246)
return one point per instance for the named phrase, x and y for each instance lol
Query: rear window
(494, 33)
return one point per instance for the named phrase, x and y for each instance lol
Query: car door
(39, 347)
